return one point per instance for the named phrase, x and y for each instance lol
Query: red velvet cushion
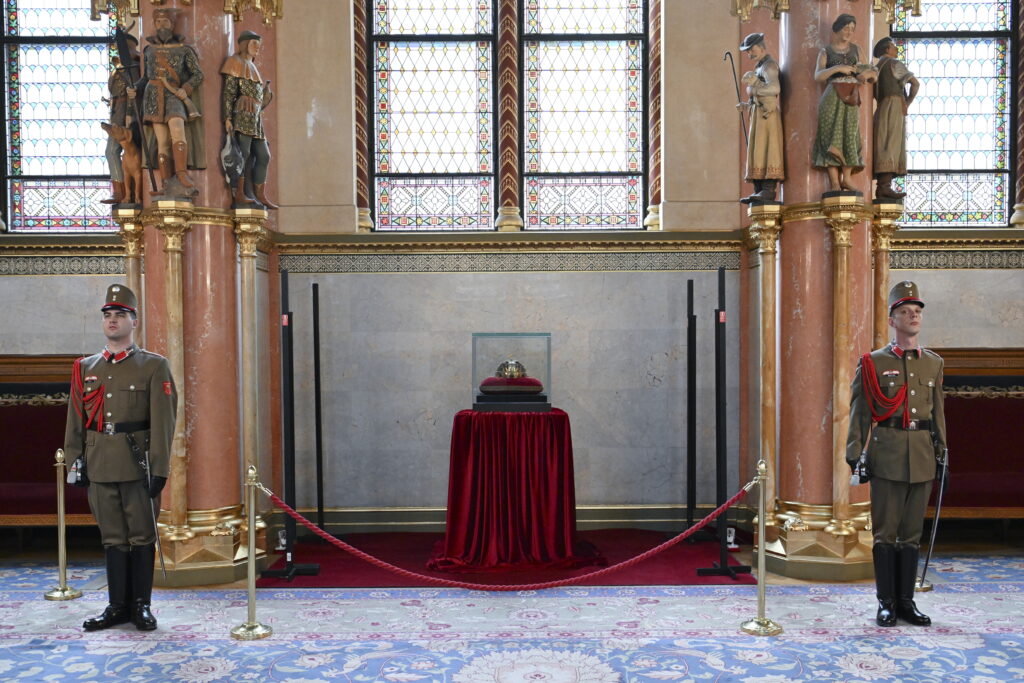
(511, 385)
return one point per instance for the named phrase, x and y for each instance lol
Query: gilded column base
(509, 219)
(214, 553)
(807, 542)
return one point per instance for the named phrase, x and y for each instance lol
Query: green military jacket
(899, 454)
(137, 388)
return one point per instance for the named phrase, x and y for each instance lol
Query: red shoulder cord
(91, 403)
(876, 396)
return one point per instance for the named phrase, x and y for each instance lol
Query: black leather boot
(142, 586)
(884, 555)
(906, 562)
(117, 611)
(756, 194)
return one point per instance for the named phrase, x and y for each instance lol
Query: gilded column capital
(884, 225)
(131, 232)
(765, 227)
(842, 212)
(250, 230)
(173, 219)
(270, 9)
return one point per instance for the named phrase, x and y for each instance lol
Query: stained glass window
(959, 134)
(582, 119)
(56, 65)
(433, 114)
(583, 132)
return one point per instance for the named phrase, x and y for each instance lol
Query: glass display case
(511, 371)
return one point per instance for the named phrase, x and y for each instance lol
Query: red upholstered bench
(32, 418)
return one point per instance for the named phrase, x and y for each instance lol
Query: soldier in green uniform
(897, 420)
(121, 416)
(243, 100)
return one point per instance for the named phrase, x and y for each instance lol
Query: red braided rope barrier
(508, 587)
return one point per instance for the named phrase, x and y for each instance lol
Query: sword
(156, 529)
(943, 466)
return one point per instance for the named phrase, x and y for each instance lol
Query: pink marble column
(806, 265)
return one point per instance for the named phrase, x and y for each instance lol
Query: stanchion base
(759, 626)
(254, 631)
(290, 571)
(66, 593)
(922, 586)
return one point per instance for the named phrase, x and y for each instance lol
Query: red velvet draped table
(511, 495)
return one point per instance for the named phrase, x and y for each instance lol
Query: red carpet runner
(675, 566)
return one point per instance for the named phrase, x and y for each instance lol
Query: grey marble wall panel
(45, 314)
(396, 365)
(970, 308)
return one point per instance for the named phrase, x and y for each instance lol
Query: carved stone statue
(889, 158)
(119, 128)
(765, 160)
(172, 107)
(838, 141)
(244, 98)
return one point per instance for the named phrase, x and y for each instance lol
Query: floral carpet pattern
(577, 635)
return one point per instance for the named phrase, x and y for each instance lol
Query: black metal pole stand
(317, 410)
(722, 567)
(691, 418)
(290, 570)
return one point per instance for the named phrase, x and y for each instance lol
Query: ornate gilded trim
(122, 8)
(936, 259)
(204, 215)
(35, 400)
(62, 265)
(1015, 391)
(508, 262)
(805, 211)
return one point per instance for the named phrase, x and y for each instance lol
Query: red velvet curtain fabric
(511, 495)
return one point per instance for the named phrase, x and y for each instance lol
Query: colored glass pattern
(433, 107)
(432, 17)
(958, 128)
(61, 205)
(583, 102)
(954, 15)
(956, 199)
(55, 166)
(52, 18)
(584, 203)
(583, 16)
(960, 119)
(438, 203)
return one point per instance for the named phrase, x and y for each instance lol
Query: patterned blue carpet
(591, 635)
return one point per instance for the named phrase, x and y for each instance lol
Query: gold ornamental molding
(803, 211)
(204, 215)
(250, 226)
(765, 227)
(270, 9)
(743, 8)
(33, 400)
(1016, 391)
(123, 9)
(958, 240)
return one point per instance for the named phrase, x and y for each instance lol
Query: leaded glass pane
(954, 15)
(584, 203)
(55, 107)
(956, 199)
(583, 102)
(433, 107)
(36, 18)
(583, 16)
(432, 17)
(960, 119)
(59, 205)
(461, 203)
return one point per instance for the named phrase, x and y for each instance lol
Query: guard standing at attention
(121, 417)
(897, 422)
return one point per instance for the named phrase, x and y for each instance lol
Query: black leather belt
(123, 427)
(915, 425)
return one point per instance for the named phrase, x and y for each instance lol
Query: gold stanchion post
(61, 592)
(251, 629)
(761, 625)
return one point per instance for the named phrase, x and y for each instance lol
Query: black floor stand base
(290, 571)
(722, 567)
